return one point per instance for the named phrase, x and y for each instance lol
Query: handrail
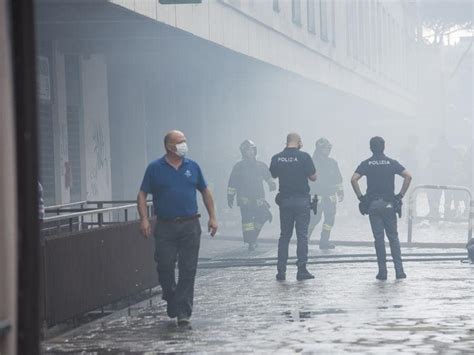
(111, 202)
(438, 187)
(87, 213)
(55, 207)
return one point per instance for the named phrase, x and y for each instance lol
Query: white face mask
(181, 149)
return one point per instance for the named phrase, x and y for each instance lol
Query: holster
(314, 204)
(397, 205)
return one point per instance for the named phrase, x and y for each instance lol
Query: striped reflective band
(327, 227)
(248, 227)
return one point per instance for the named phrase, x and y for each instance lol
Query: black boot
(400, 274)
(324, 242)
(281, 276)
(303, 274)
(382, 275)
(252, 246)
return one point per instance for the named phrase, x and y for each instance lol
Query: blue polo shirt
(174, 191)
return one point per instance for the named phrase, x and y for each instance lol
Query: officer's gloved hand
(340, 196)
(398, 197)
(272, 185)
(230, 201)
(363, 205)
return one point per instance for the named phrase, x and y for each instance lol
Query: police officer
(173, 181)
(293, 168)
(329, 189)
(246, 181)
(381, 203)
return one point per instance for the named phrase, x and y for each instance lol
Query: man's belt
(178, 219)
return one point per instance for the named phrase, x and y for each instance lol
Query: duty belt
(178, 219)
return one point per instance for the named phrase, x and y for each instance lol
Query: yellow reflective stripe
(231, 191)
(247, 227)
(258, 226)
(340, 187)
(327, 227)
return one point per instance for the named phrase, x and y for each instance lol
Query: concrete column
(96, 140)
(8, 198)
(59, 112)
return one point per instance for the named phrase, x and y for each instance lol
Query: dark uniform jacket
(246, 179)
(329, 180)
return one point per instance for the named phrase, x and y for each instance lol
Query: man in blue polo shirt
(173, 181)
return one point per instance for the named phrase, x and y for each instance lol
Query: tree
(445, 17)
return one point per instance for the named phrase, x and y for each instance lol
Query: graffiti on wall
(100, 168)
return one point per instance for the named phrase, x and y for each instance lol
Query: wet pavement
(344, 310)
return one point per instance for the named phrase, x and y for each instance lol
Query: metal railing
(411, 204)
(82, 215)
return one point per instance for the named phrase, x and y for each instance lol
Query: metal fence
(100, 258)
(412, 217)
(82, 215)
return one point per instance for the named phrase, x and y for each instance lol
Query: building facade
(115, 76)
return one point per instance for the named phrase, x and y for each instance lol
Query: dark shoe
(400, 275)
(325, 246)
(281, 276)
(382, 275)
(252, 246)
(183, 320)
(304, 274)
(170, 310)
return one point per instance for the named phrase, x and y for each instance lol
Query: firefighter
(246, 183)
(329, 189)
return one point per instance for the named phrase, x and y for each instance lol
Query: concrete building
(114, 76)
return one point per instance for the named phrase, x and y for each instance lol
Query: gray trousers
(383, 220)
(177, 242)
(294, 214)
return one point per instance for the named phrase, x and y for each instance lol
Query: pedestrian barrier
(83, 215)
(98, 261)
(413, 218)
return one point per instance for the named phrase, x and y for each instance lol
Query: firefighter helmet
(246, 146)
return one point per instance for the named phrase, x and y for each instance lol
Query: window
(333, 23)
(311, 16)
(349, 26)
(276, 5)
(360, 32)
(296, 11)
(323, 13)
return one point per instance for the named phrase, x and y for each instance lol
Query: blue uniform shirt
(174, 191)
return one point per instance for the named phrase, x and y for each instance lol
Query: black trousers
(294, 214)
(253, 219)
(177, 242)
(383, 220)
